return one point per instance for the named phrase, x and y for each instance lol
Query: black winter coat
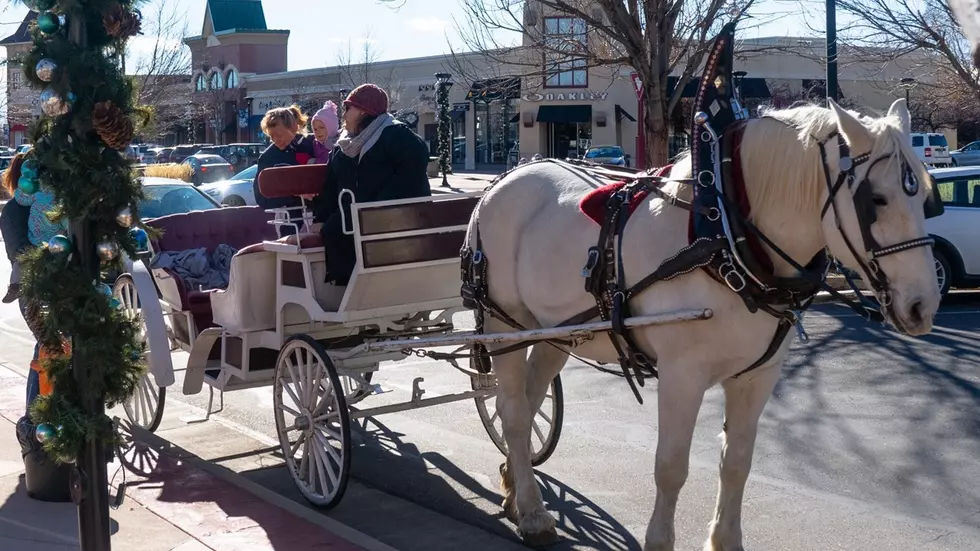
(13, 227)
(296, 153)
(394, 168)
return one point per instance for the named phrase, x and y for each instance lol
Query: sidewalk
(174, 504)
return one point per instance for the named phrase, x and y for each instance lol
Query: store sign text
(570, 96)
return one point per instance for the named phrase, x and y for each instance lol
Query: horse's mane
(785, 154)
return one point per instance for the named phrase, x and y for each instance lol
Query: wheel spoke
(318, 461)
(538, 432)
(332, 416)
(330, 432)
(544, 416)
(308, 375)
(294, 377)
(331, 451)
(288, 410)
(321, 452)
(292, 395)
(299, 442)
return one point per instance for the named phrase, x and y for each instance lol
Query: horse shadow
(899, 413)
(582, 524)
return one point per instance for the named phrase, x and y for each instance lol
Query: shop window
(217, 81)
(566, 41)
(232, 80)
(200, 84)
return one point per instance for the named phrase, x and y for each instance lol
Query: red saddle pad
(593, 204)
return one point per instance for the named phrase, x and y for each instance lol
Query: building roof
(241, 15)
(23, 33)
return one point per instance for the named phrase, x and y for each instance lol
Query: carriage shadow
(581, 523)
(899, 418)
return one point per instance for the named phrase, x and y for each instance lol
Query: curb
(226, 475)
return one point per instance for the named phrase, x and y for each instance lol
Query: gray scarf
(356, 145)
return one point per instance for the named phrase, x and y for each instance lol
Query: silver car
(967, 155)
(234, 192)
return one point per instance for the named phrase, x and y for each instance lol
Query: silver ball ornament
(45, 433)
(59, 244)
(45, 69)
(700, 118)
(52, 104)
(124, 217)
(107, 250)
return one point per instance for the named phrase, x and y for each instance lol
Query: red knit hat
(369, 98)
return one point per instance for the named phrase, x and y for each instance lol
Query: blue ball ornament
(104, 289)
(135, 355)
(27, 185)
(48, 23)
(114, 302)
(59, 244)
(45, 433)
(142, 239)
(29, 168)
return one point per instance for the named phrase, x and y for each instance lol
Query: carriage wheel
(545, 426)
(145, 407)
(312, 420)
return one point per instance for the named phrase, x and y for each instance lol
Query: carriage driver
(378, 159)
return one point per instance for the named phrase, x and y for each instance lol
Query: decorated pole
(94, 356)
(444, 83)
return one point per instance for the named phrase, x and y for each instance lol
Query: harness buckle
(591, 263)
(734, 279)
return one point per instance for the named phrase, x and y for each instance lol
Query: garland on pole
(444, 130)
(88, 116)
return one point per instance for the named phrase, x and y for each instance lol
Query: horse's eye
(879, 200)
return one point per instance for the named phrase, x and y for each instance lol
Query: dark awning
(565, 113)
(622, 114)
(755, 88)
(493, 89)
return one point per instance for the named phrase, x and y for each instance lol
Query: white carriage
(317, 344)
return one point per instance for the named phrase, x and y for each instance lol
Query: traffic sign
(637, 85)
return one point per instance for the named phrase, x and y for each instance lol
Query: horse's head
(874, 218)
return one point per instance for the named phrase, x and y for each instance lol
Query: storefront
(494, 103)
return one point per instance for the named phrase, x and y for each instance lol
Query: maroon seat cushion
(234, 226)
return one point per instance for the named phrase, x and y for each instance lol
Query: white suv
(932, 149)
(957, 249)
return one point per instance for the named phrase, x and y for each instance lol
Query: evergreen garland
(444, 130)
(93, 184)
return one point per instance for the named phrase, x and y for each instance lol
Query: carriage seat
(237, 227)
(249, 302)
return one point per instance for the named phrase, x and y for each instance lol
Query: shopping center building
(499, 113)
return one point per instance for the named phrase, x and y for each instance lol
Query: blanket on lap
(197, 269)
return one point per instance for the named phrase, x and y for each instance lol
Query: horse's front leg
(680, 393)
(522, 497)
(745, 399)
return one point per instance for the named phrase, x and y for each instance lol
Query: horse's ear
(857, 135)
(900, 109)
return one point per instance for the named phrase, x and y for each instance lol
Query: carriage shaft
(421, 403)
(584, 330)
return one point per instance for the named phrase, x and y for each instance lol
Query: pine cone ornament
(122, 23)
(112, 125)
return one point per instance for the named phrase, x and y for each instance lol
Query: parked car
(606, 155)
(208, 168)
(165, 196)
(932, 149)
(236, 191)
(182, 152)
(163, 154)
(240, 155)
(24, 148)
(957, 249)
(967, 155)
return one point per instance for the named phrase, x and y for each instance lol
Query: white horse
(535, 240)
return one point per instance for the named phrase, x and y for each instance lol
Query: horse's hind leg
(745, 399)
(522, 497)
(680, 393)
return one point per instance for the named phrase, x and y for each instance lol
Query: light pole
(444, 82)
(908, 83)
(832, 49)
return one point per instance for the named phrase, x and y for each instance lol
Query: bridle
(867, 215)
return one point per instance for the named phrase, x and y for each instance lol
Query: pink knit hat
(328, 116)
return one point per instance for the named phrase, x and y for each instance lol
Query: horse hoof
(541, 539)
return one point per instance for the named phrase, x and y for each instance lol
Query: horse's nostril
(915, 313)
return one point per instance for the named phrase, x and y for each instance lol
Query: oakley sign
(566, 96)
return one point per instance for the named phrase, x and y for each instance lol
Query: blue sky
(322, 28)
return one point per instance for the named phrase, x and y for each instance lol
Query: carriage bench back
(407, 254)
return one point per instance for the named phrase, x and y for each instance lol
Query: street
(871, 437)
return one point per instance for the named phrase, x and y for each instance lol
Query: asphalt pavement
(871, 441)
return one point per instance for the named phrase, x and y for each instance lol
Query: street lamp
(908, 83)
(444, 82)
